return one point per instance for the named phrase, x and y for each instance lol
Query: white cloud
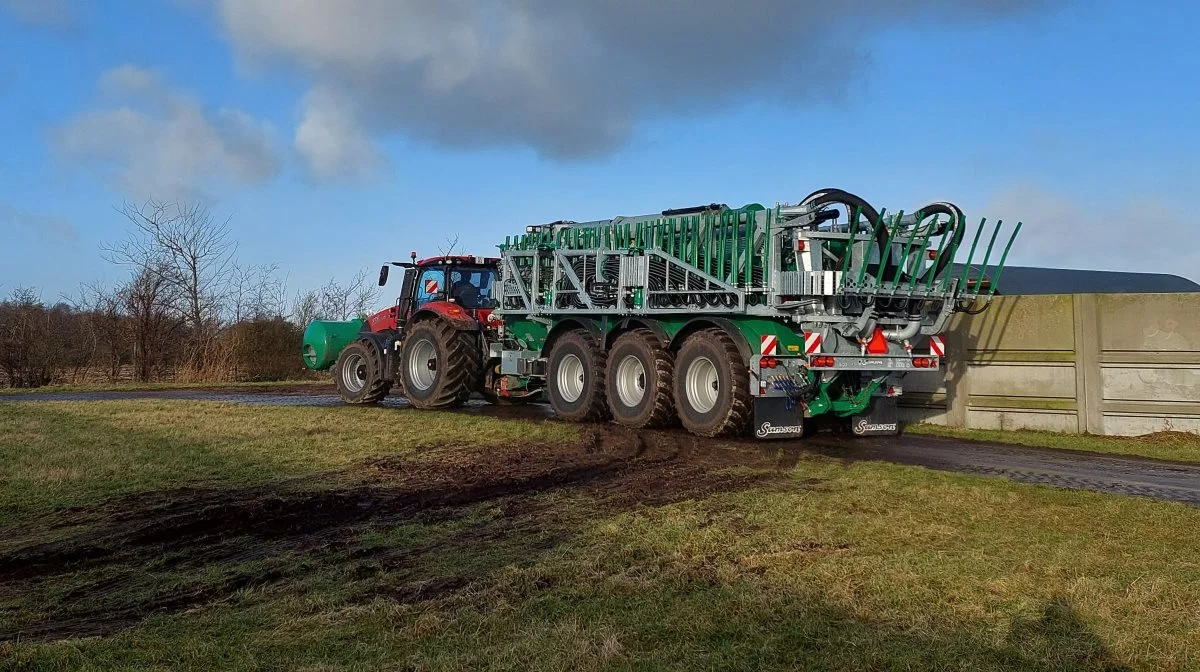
(155, 139)
(1146, 233)
(331, 141)
(570, 79)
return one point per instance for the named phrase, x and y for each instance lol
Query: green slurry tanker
(725, 320)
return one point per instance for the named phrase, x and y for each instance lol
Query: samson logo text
(864, 427)
(768, 430)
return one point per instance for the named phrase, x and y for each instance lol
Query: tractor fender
(724, 324)
(452, 313)
(384, 343)
(639, 323)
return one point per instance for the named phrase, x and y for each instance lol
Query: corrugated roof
(1033, 280)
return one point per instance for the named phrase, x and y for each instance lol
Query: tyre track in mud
(1133, 476)
(123, 559)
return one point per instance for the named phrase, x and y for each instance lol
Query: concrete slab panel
(1050, 421)
(1008, 380)
(1149, 322)
(1020, 323)
(1151, 384)
(1138, 425)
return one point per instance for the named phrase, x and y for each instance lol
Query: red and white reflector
(431, 286)
(937, 346)
(769, 344)
(812, 342)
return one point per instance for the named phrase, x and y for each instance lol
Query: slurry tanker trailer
(725, 320)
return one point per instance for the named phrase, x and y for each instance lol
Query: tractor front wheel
(358, 374)
(440, 365)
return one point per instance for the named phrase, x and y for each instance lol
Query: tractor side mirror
(383, 274)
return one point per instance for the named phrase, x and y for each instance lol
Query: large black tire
(640, 371)
(575, 378)
(358, 374)
(712, 385)
(440, 365)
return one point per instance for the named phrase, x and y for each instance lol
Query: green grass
(138, 387)
(1177, 446)
(812, 564)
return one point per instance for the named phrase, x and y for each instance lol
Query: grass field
(199, 535)
(139, 387)
(1176, 446)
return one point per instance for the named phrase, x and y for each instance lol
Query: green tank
(324, 341)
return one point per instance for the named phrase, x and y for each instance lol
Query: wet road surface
(1142, 477)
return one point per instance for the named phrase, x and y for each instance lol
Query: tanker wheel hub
(702, 384)
(631, 381)
(570, 379)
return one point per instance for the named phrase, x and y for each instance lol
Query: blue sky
(336, 141)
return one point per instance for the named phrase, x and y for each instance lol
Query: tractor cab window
(431, 286)
(471, 287)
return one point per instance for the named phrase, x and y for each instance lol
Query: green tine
(988, 255)
(853, 231)
(862, 272)
(971, 255)
(951, 229)
(886, 253)
(751, 223)
(907, 251)
(1004, 258)
(912, 285)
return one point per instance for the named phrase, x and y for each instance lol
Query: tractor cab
(446, 284)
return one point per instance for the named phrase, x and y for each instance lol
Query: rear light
(768, 362)
(823, 362)
(932, 255)
(801, 246)
(925, 363)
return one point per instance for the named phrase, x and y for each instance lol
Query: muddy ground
(167, 552)
(111, 566)
(1135, 476)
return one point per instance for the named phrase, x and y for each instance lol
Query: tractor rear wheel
(712, 385)
(640, 371)
(358, 374)
(575, 378)
(440, 365)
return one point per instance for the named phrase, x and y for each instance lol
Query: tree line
(186, 311)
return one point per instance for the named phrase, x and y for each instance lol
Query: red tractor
(433, 343)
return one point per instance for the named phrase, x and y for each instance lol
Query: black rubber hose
(853, 203)
(959, 228)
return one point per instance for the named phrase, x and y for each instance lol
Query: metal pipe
(904, 333)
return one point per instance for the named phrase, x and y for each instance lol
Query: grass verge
(155, 534)
(1176, 446)
(144, 387)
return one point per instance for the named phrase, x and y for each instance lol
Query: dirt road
(1067, 469)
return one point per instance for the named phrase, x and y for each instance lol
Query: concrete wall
(1121, 364)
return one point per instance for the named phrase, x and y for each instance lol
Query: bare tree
(105, 319)
(336, 301)
(150, 302)
(256, 293)
(192, 254)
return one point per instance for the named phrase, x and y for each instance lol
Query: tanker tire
(732, 408)
(640, 373)
(457, 365)
(358, 374)
(589, 404)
